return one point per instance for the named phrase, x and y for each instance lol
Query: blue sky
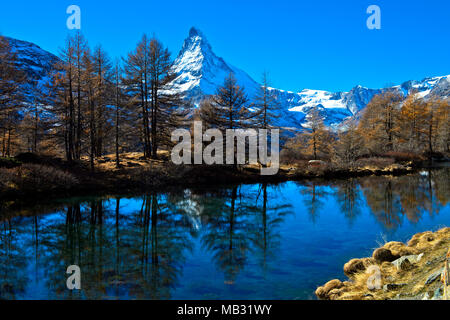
(321, 44)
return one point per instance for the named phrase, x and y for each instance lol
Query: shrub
(8, 179)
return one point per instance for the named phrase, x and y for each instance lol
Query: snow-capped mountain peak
(200, 71)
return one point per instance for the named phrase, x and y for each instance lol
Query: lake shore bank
(396, 271)
(34, 176)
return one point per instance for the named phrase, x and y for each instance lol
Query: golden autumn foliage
(379, 123)
(318, 137)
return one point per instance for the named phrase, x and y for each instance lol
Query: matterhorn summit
(200, 71)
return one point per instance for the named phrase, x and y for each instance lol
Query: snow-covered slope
(201, 71)
(35, 63)
(31, 59)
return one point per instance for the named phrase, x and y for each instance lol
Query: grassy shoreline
(31, 176)
(411, 271)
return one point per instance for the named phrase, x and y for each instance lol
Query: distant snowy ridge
(200, 72)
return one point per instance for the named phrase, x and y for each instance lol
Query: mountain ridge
(200, 72)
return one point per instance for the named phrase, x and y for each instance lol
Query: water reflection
(144, 248)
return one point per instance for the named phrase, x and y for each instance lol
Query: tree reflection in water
(137, 247)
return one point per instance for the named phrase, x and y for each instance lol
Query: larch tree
(88, 84)
(266, 104)
(62, 98)
(11, 95)
(349, 146)
(436, 124)
(379, 121)
(411, 122)
(229, 108)
(443, 127)
(103, 82)
(137, 81)
(167, 107)
(37, 120)
(80, 47)
(318, 138)
(118, 101)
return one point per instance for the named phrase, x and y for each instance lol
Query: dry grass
(434, 247)
(375, 162)
(35, 178)
(128, 161)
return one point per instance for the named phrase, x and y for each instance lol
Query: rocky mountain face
(200, 71)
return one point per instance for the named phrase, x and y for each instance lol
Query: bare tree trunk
(117, 118)
(4, 143)
(92, 133)
(8, 148)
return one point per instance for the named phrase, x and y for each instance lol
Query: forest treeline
(391, 125)
(91, 106)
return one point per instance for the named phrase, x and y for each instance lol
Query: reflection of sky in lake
(233, 243)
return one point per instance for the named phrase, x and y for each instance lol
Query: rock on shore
(395, 271)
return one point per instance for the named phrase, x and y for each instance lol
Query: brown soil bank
(405, 271)
(30, 175)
